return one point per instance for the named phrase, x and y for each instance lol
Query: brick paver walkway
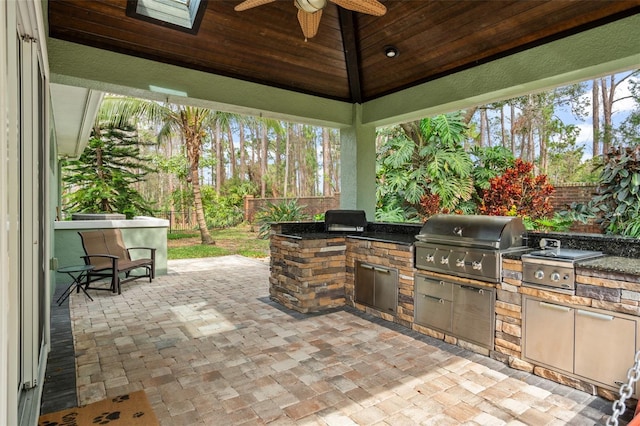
(209, 348)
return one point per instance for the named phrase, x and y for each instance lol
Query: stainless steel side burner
(553, 267)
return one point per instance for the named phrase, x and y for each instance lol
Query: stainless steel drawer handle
(366, 266)
(467, 287)
(556, 307)
(426, 296)
(384, 271)
(595, 315)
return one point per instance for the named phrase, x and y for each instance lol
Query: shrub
(284, 211)
(619, 196)
(518, 192)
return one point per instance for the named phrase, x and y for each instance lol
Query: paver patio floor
(209, 347)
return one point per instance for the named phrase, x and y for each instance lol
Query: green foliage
(418, 160)
(103, 179)
(618, 202)
(629, 131)
(227, 208)
(390, 213)
(284, 211)
(488, 163)
(181, 235)
(555, 223)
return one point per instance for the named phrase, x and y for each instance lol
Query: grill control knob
(555, 277)
(539, 274)
(476, 265)
(444, 260)
(429, 258)
(460, 263)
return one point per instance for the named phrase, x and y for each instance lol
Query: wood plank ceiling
(346, 60)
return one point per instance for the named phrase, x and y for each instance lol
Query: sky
(622, 109)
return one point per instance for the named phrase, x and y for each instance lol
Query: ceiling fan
(310, 11)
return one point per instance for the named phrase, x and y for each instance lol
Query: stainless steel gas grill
(468, 246)
(552, 267)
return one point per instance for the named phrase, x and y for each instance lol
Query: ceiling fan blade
(309, 22)
(248, 4)
(370, 7)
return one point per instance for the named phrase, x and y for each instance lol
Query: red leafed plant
(429, 204)
(518, 192)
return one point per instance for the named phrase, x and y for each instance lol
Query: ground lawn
(242, 240)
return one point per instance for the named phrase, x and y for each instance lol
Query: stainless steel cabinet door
(605, 347)
(365, 279)
(548, 334)
(385, 294)
(473, 314)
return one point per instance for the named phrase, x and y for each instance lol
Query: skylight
(180, 14)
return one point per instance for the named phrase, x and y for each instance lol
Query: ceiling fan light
(311, 6)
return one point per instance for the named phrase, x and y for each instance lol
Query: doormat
(124, 410)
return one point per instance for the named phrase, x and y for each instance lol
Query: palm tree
(193, 123)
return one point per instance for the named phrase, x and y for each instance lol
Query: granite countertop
(614, 264)
(397, 233)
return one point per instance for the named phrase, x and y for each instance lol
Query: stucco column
(358, 165)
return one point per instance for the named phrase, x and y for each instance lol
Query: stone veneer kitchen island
(312, 271)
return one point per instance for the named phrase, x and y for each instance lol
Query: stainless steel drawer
(436, 288)
(433, 312)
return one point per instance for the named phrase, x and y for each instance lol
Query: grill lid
(496, 232)
(345, 220)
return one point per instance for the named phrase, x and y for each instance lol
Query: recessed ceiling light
(391, 51)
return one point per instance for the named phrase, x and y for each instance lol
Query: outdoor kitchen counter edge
(607, 263)
(372, 236)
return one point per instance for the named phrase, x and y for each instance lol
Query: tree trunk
(205, 236)
(243, 154)
(468, 114)
(263, 160)
(607, 112)
(503, 129)
(219, 158)
(287, 154)
(513, 127)
(596, 119)
(193, 143)
(483, 116)
(277, 161)
(326, 163)
(543, 150)
(232, 152)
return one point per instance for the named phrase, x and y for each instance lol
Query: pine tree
(103, 179)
